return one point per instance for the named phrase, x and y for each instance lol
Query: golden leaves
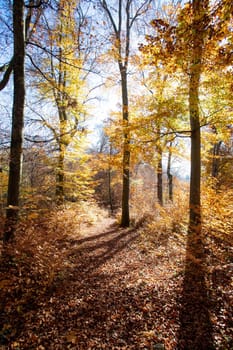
(71, 337)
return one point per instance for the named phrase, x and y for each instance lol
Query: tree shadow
(87, 255)
(90, 255)
(93, 237)
(195, 324)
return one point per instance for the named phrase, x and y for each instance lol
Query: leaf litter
(109, 289)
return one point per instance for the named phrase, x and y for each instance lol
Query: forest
(116, 174)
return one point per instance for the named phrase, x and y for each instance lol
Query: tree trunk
(110, 180)
(125, 219)
(17, 121)
(169, 175)
(160, 177)
(60, 177)
(122, 18)
(199, 9)
(215, 159)
(110, 190)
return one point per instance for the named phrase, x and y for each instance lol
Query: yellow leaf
(33, 216)
(71, 337)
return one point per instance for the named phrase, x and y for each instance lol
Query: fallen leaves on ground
(110, 290)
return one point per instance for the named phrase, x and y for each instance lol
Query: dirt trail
(109, 293)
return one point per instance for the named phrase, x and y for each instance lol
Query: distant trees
(122, 16)
(105, 167)
(156, 123)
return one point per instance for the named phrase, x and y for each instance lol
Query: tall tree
(199, 26)
(122, 18)
(17, 119)
(66, 86)
(21, 28)
(62, 83)
(180, 46)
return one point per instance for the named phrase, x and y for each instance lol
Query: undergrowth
(49, 254)
(38, 246)
(161, 223)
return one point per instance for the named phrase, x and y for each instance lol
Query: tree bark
(110, 190)
(160, 177)
(169, 175)
(110, 180)
(60, 177)
(199, 11)
(125, 218)
(17, 121)
(216, 159)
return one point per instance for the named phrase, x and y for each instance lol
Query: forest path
(109, 292)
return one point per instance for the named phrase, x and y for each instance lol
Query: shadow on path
(195, 325)
(93, 251)
(94, 236)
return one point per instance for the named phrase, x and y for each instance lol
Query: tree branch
(32, 5)
(105, 6)
(7, 74)
(139, 11)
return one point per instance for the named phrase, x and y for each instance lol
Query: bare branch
(7, 75)
(105, 6)
(33, 5)
(38, 69)
(142, 9)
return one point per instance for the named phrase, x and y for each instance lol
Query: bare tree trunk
(125, 219)
(110, 191)
(110, 180)
(60, 177)
(199, 10)
(17, 121)
(160, 177)
(169, 175)
(195, 180)
(122, 19)
(215, 159)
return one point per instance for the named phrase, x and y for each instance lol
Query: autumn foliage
(117, 229)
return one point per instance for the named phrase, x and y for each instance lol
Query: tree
(62, 83)
(17, 120)
(217, 104)
(198, 27)
(66, 88)
(106, 170)
(180, 46)
(122, 19)
(6, 36)
(156, 122)
(201, 47)
(169, 174)
(21, 29)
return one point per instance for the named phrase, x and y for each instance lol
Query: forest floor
(108, 289)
